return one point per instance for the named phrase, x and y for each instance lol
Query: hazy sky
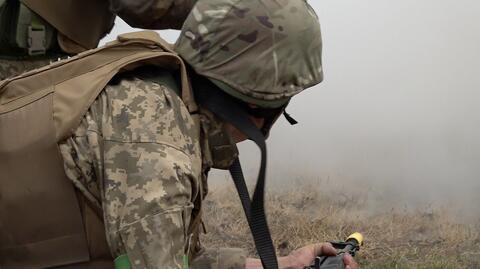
(398, 109)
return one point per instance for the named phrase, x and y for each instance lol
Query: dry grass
(428, 238)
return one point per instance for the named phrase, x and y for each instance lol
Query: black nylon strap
(225, 107)
(289, 118)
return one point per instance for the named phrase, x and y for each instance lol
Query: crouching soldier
(105, 156)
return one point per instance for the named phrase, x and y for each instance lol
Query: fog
(398, 110)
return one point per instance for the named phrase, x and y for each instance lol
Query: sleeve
(148, 180)
(133, 153)
(147, 203)
(153, 14)
(232, 258)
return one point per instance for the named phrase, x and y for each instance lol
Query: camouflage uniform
(9, 68)
(138, 155)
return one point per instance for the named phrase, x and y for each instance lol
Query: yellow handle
(358, 237)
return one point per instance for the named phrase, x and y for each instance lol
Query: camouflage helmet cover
(260, 51)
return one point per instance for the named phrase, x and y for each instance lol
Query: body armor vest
(85, 22)
(42, 221)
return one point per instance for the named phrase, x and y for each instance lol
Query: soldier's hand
(350, 263)
(305, 256)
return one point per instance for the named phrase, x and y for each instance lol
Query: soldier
(141, 153)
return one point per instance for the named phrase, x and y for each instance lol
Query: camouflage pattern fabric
(260, 51)
(138, 154)
(10, 68)
(152, 14)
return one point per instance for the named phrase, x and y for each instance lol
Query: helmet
(260, 51)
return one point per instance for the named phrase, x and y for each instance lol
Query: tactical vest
(83, 21)
(41, 216)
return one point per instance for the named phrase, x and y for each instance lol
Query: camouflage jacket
(137, 155)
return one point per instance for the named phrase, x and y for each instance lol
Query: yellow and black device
(350, 246)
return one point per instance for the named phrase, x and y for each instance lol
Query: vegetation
(397, 238)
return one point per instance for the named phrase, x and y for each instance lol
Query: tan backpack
(40, 220)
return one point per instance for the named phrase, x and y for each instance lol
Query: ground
(397, 238)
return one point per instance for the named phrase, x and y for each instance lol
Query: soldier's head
(261, 52)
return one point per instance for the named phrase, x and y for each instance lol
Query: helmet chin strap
(228, 109)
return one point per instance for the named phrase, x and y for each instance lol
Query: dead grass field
(396, 238)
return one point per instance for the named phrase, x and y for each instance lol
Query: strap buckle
(36, 40)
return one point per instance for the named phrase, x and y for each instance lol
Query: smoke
(398, 111)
